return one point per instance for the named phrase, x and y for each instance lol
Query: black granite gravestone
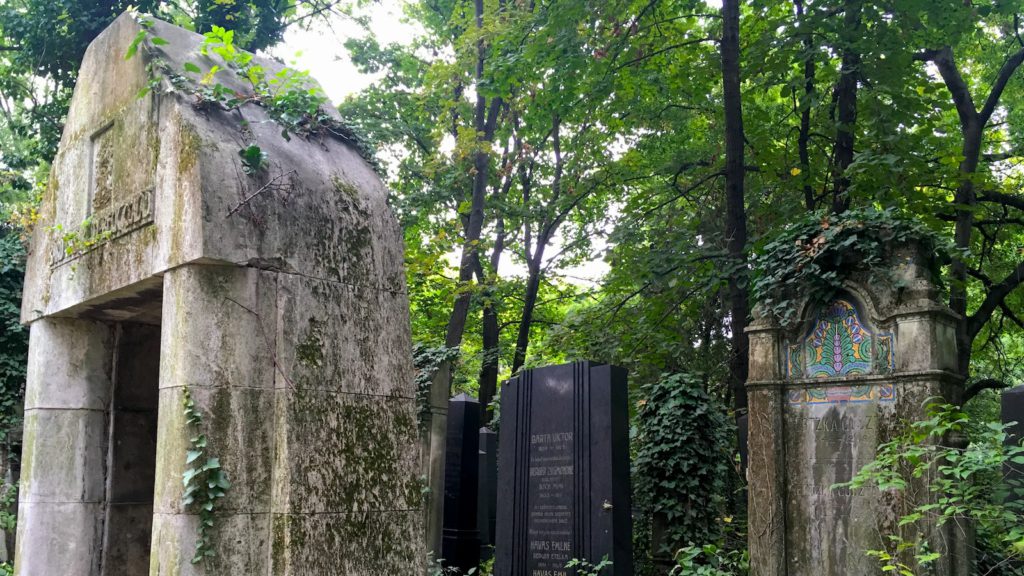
(460, 541)
(487, 501)
(563, 471)
(1013, 411)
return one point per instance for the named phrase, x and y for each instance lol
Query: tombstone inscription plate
(563, 471)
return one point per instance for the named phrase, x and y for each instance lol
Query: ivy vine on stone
(290, 97)
(817, 254)
(204, 480)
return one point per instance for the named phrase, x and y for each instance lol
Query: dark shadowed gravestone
(1013, 411)
(487, 492)
(563, 471)
(460, 540)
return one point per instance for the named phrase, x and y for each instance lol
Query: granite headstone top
(563, 471)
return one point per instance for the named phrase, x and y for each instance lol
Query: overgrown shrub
(965, 484)
(13, 336)
(682, 463)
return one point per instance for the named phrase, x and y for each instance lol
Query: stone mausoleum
(824, 392)
(275, 299)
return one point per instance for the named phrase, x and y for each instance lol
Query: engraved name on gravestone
(113, 210)
(563, 471)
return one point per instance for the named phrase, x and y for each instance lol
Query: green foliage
(681, 462)
(818, 253)
(584, 568)
(962, 484)
(81, 240)
(204, 480)
(426, 361)
(13, 336)
(710, 560)
(291, 98)
(254, 160)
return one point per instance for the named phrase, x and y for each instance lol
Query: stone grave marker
(282, 312)
(487, 492)
(563, 471)
(823, 394)
(460, 542)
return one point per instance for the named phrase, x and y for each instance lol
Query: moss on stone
(310, 352)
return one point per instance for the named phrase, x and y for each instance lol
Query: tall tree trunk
(804, 139)
(545, 231)
(491, 335)
(735, 210)
(485, 120)
(846, 107)
(972, 127)
(529, 305)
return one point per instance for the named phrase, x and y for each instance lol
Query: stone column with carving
(825, 391)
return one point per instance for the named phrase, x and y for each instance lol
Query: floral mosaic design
(839, 344)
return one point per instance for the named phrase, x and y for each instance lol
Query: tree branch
(995, 297)
(1002, 198)
(943, 59)
(1007, 70)
(981, 385)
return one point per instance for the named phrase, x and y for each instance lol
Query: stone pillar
(766, 488)
(218, 347)
(824, 393)
(487, 492)
(67, 395)
(433, 446)
(460, 542)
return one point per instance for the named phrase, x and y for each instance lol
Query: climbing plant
(681, 463)
(204, 479)
(964, 482)
(13, 337)
(817, 253)
(289, 96)
(426, 360)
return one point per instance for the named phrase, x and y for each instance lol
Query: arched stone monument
(277, 300)
(824, 393)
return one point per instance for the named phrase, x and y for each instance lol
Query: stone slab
(82, 379)
(65, 539)
(563, 468)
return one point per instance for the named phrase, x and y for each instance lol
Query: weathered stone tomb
(824, 393)
(275, 300)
